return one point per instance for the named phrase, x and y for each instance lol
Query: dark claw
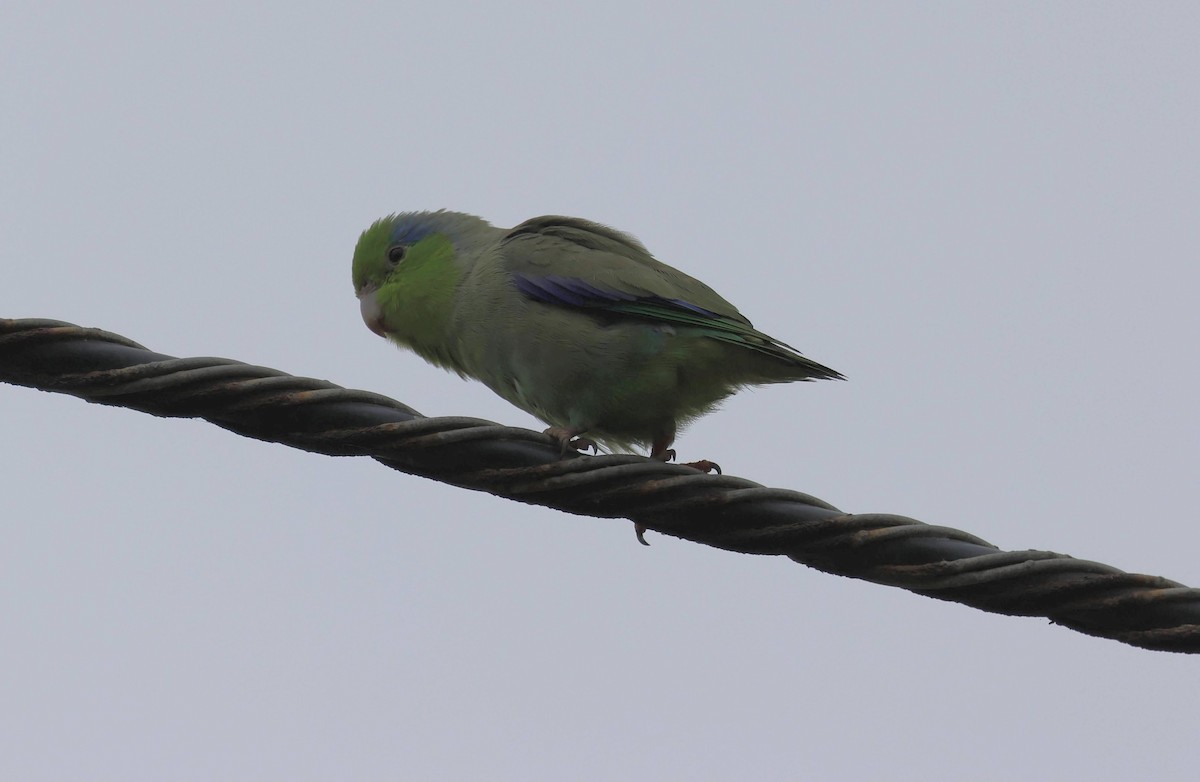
(582, 444)
(568, 439)
(640, 531)
(704, 465)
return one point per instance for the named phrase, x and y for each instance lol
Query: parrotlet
(570, 320)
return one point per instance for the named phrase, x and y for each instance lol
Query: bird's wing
(577, 264)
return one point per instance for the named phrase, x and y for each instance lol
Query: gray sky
(984, 215)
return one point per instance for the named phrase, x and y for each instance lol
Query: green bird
(567, 319)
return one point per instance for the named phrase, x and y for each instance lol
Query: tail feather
(754, 340)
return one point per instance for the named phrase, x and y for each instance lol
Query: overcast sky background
(984, 215)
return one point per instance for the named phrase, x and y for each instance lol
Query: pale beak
(368, 304)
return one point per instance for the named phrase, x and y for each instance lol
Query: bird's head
(406, 266)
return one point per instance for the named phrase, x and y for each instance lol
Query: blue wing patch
(574, 292)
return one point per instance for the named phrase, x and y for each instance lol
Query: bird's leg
(661, 450)
(569, 439)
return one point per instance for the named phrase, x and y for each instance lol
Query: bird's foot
(666, 455)
(704, 465)
(569, 439)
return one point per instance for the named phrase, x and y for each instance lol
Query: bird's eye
(395, 254)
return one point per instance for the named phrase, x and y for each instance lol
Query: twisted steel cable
(718, 510)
